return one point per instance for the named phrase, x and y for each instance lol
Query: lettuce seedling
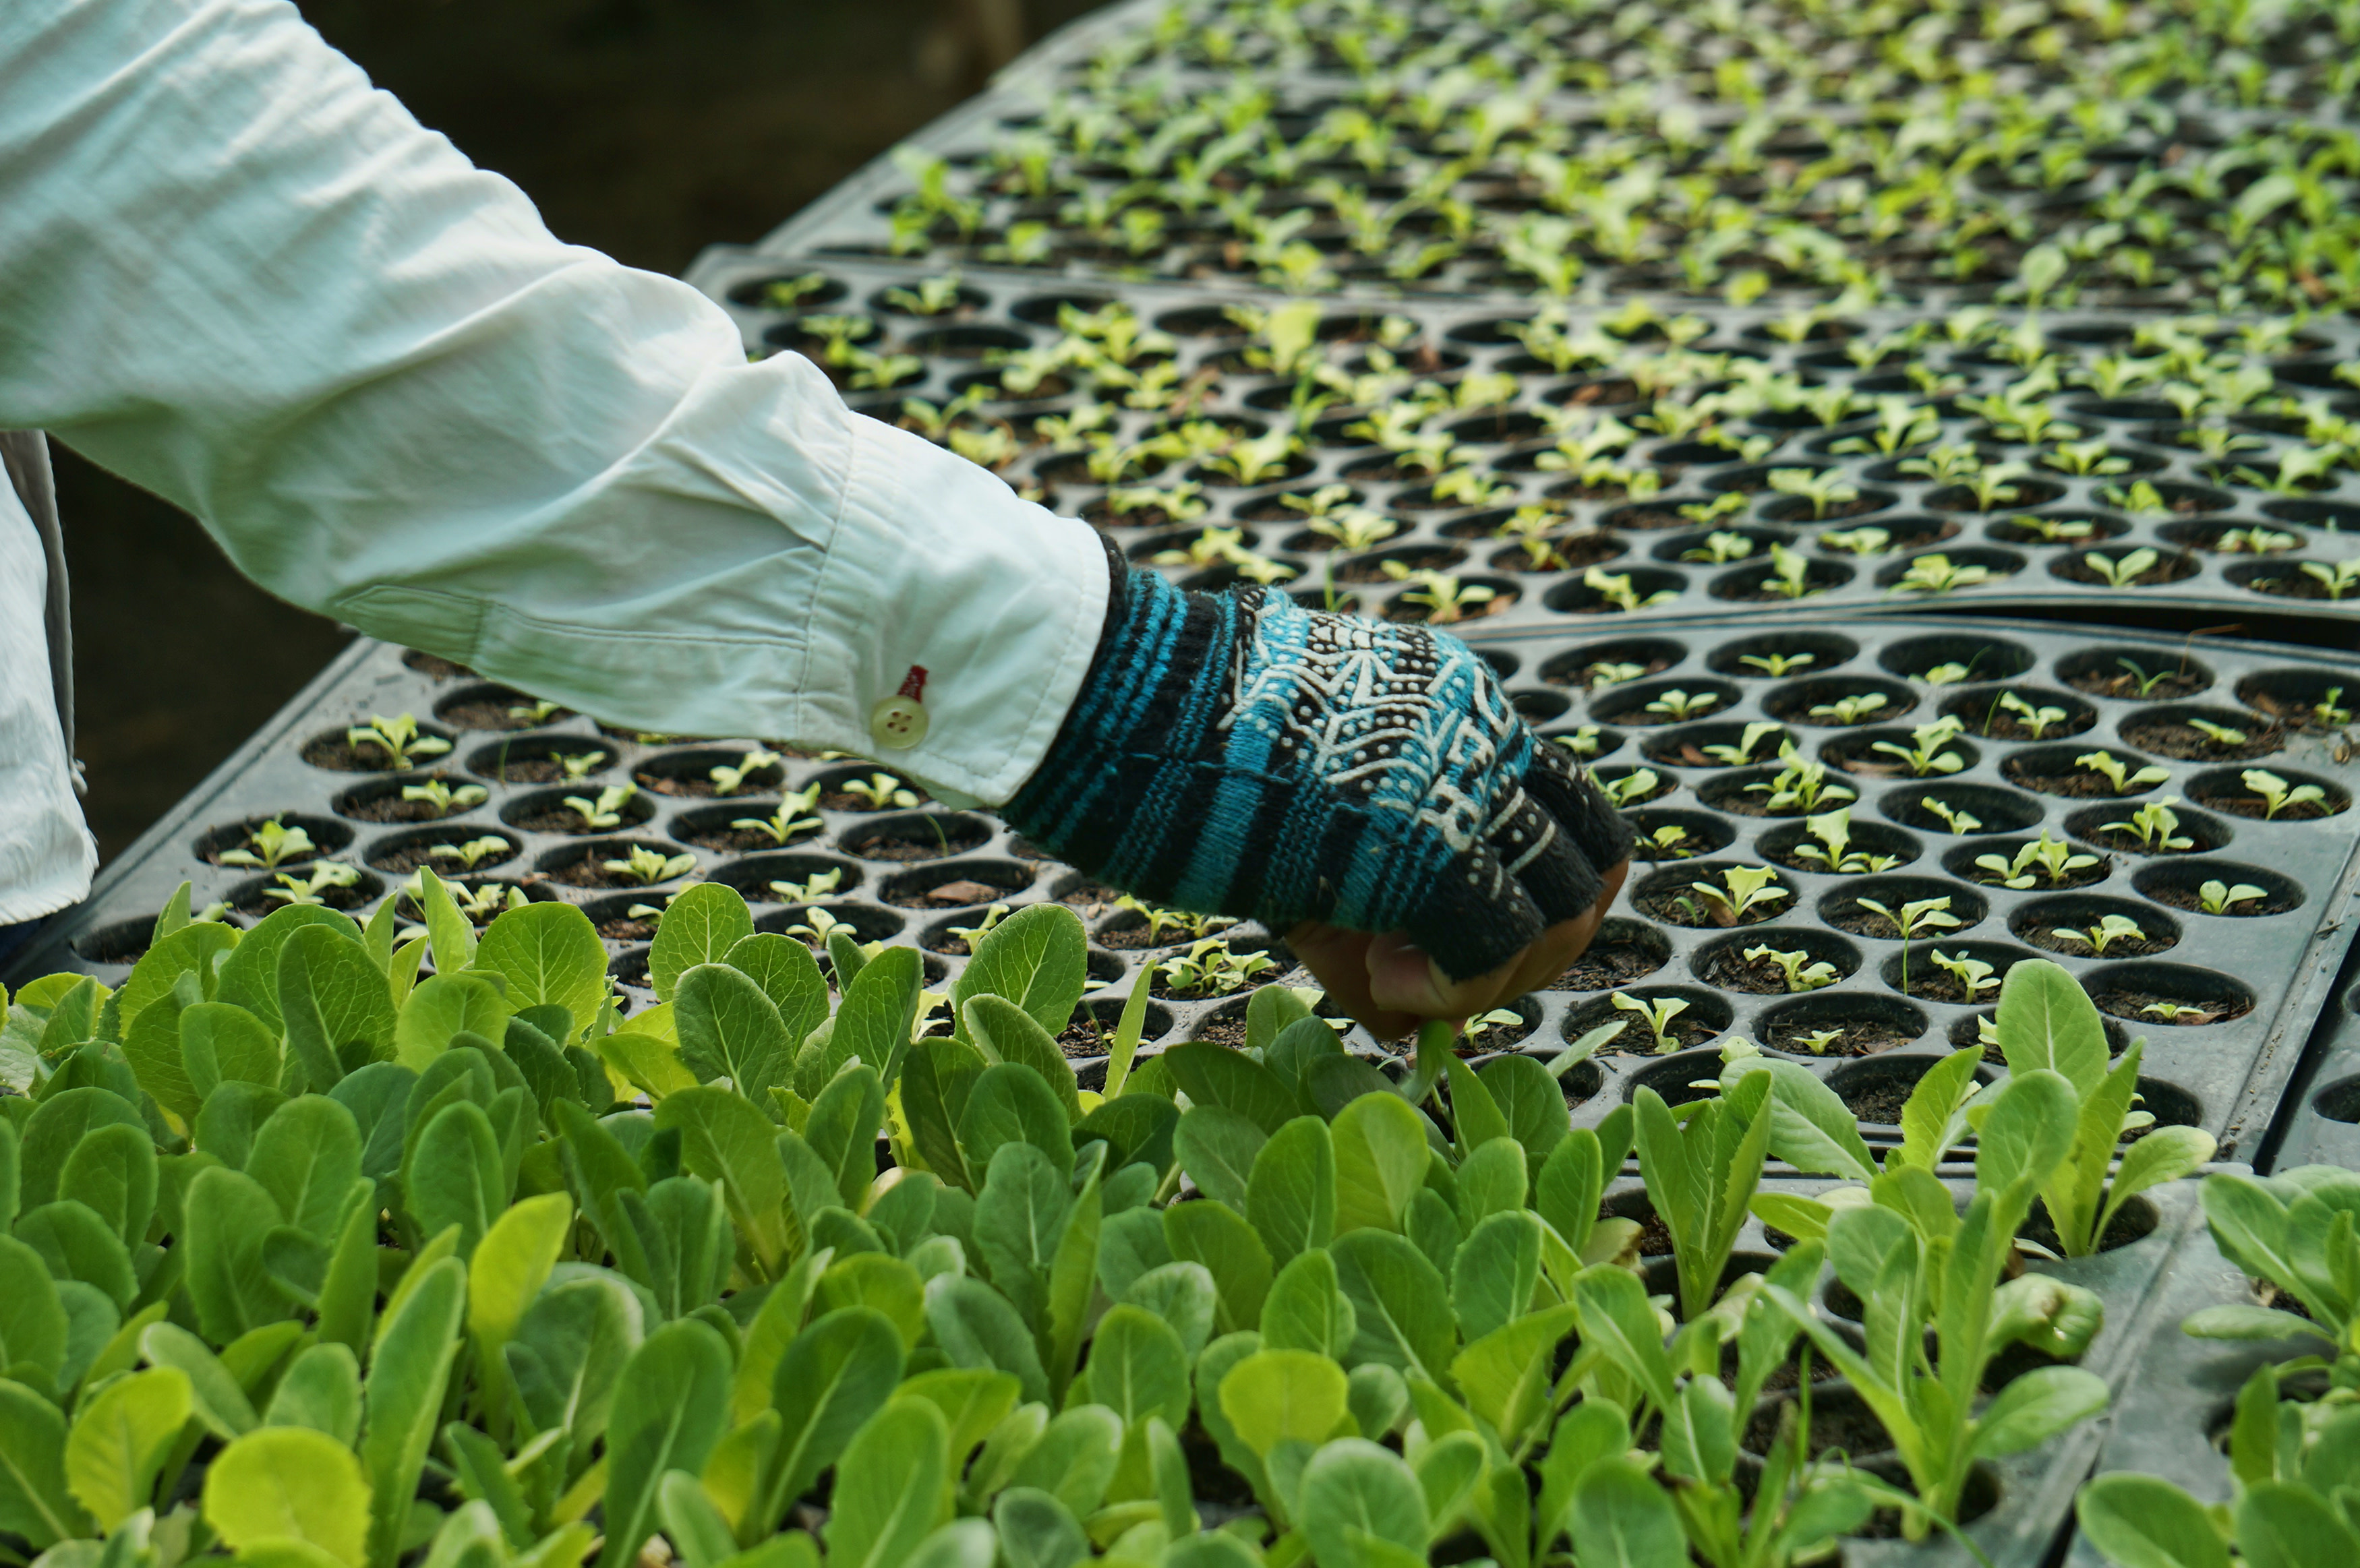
(605, 810)
(792, 816)
(1928, 749)
(397, 737)
(2118, 775)
(270, 846)
(1802, 784)
(2157, 827)
(2277, 794)
(2217, 897)
(2044, 856)
(310, 888)
(445, 801)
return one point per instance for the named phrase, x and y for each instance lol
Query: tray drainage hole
(1875, 1090)
(2168, 994)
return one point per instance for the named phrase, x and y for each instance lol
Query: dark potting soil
(2078, 784)
(1078, 1041)
(681, 787)
(2130, 843)
(955, 894)
(565, 824)
(590, 871)
(2190, 744)
(627, 930)
(433, 666)
(2130, 1222)
(2099, 684)
(1939, 985)
(886, 846)
(1664, 905)
(2171, 569)
(1565, 555)
(1228, 1031)
(538, 770)
(392, 808)
(2180, 898)
(2293, 584)
(1835, 1423)
(408, 858)
(2132, 1005)
(1878, 1102)
(1730, 971)
(1686, 1032)
(1607, 968)
(340, 756)
(738, 841)
(1651, 518)
(1866, 1038)
(492, 714)
(1989, 721)
(2071, 879)
(1374, 572)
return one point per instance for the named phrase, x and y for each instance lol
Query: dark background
(648, 129)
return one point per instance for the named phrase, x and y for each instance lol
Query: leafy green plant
(2110, 929)
(472, 853)
(1632, 787)
(2038, 720)
(2278, 795)
(1615, 588)
(643, 866)
(2157, 827)
(2124, 571)
(1777, 665)
(271, 845)
(1928, 751)
(1972, 975)
(1677, 704)
(1210, 969)
(1936, 574)
(1850, 709)
(603, 810)
(1795, 967)
(1954, 818)
(1743, 890)
(397, 738)
(2218, 898)
(2118, 774)
(310, 888)
(1658, 1013)
(2043, 859)
(1801, 784)
(793, 817)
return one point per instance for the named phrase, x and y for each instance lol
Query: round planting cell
(1792, 959)
(708, 772)
(1866, 847)
(451, 850)
(2175, 994)
(2138, 673)
(865, 922)
(959, 885)
(2306, 698)
(1678, 1079)
(1875, 1090)
(1842, 1025)
(578, 812)
(541, 759)
(2223, 888)
(1964, 973)
(1713, 894)
(2149, 828)
(2085, 925)
(1676, 835)
(1893, 908)
(1622, 952)
(2022, 865)
(1777, 655)
(1895, 752)
(1688, 1015)
(1839, 700)
(1959, 655)
(918, 835)
(1600, 664)
(800, 877)
(607, 862)
(2201, 734)
(328, 837)
(1715, 745)
(2269, 794)
(1663, 701)
(1960, 808)
(2013, 714)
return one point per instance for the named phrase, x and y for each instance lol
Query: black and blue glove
(1236, 753)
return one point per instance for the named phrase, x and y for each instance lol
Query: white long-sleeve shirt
(235, 274)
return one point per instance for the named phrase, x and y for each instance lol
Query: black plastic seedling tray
(1663, 559)
(909, 873)
(2319, 1122)
(2025, 1500)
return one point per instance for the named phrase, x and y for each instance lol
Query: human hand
(1236, 753)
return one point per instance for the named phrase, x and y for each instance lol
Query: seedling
(1634, 786)
(2179, 1013)
(728, 779)
(479, 904)
(1849, 710)
(1677, 704)
(2118, 775)
(1972, 974)
(2140, 679)
(2327, 712)
(311, 887)
(2110, 929)
(2038, 720)
(442, 798)
(1443, 597)
(2278, 795)
(2086, 458)
(931, 297)
(473, 853)
(1928, 751)
(2219, 735)
(1658, 1013)
(2216, 898)
(270, 846)
(1949, 674)
(1939, 574)
(1816, 1041)
(579, 765)
(1720, 549)
(2157, 827)
(606, 810)
(1210, 969)
(2339, 579)
(1864, 540)
(645, 867)
(1957, 821)
(2054, 531)
(536, 713)
(818, 929)
(1800, 784)
(2044, 857)
(1582, 742)
(1790, 572)
(2140, 496)
(2254, 542)
(1597, 677)
(1720, 507)
(1834, 852)
(791, 818)
(1916, 918)
(1747, 889)
(1740, 753)
(782, 293)
(1616, 589)
(881, 791)
(817, 885)
(1668, 843)
(1824, 488)
(975, 934)
(397, 737)
(1795, 967)
(1484, 1024)
(1777, 664)
(2124, 573)
(1188, 924)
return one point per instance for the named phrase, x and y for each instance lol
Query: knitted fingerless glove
(1235, 753)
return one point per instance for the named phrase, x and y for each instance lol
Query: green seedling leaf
(1010, 1103)
(1138, 1367)
(1277, 1395)
(552, 955)
(1075, 1457)
(700, 925)
(1210, 1233)
(1290, 1195)
(337, 1013)
(1625, 1520)
(120, 1439)
(1306, 1308)
(729, 1028)
(671, 1402)
(35, 1502)
(977, 1328)
(213, 1395)
(788, 974)
(250, 976)
(402, 1397)
(443, 1005)
(1216, 1075)
(322, 1390)
(723, 1139)
(2280, 1525)
(289, 1484)
(220, 1042)
(1357, 1500)
(834, 1376)
(1035, 958)
(2036, 1407)
(229, 1214)
(891, 1489)
(1505, 1373)
(1380, 1162)
(1036, 1530)
(306, 1156)
(1003, 1031)
(1401, 1306)
(1218, 1148)
(76, 1244)
(2143, 1521)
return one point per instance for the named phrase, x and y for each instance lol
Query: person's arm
(233, 272)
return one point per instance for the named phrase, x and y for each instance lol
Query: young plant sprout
(1961, 823)
(1822, 487)
(1668, 843)
(645, 867)
(2338, 580)
(270, 846)
(1972, 974)
(1949, 674)
(881, 791)
(2038, 720)
(539, 711)
(2140, 496)
(311, 887)
(2254, 542)
(1915, 919)
(975, 934)
(1801, 784)
(1616, 589)
(397, 737)
(1180, 502)
(606, 810)
(481, 904)
(445, 801)
(818, 929)
(931, 297)
(1676, 705)
(2044, 857)
(792, 817)
(2328, 713)
(1483, 1024)
(473, 853)
(2216, 898)
(1189, 925)
(1720, 549)
(1597, 677)
(1790, 572)
(1928, 751)
(2140, 679)
(1863, 541)
(1939, 574)
(2085, 458)
(1816, 1041)
(728, 779)
(1849, 710)
(2110, 929)
(2178, 1013)
(1582, 742)
(2156, 825)
(579, 765)
(2278, 795)
(1777, 664)
(811, 889)
(2054, 531)
(782, 293)
(2118, 775)
(1738, 756)
(2219, 735)
(1748, 888)
(1720, 507)
(1210, 969)
(1632, 787)
(1834, 852)
(1658, 1013)
(1443, 597)
(2125, 573)
(1795, 967)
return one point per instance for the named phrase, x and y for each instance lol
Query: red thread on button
(914, 685)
